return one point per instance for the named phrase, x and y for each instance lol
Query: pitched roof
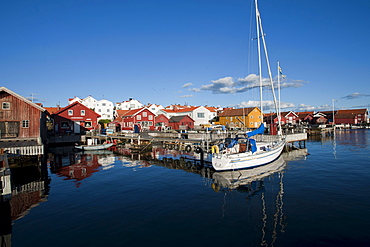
(21, 98)
(132, 112)
(353, 111)
(121, 112)
(176, 119)
(237, 112)
(350, 113)
(72, 105)
(52, 110)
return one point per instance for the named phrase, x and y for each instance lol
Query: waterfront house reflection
(27, 188)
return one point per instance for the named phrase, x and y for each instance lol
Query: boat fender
(215, 149)
(221, 146)
(188, 148)
(198, 150)
(170, 146)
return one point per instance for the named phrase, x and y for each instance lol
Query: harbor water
(317, 196)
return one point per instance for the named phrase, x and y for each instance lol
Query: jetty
(180, 141)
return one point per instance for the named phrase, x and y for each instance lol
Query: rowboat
(94, 147)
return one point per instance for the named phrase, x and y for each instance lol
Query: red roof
(52, 110)
(72, 105)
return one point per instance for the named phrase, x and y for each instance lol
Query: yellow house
(241, 118)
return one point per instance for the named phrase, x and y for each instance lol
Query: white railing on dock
(27, 150)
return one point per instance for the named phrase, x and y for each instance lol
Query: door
(77, 127)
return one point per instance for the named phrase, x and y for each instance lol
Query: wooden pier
(180, 141)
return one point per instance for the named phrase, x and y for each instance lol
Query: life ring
(198, 150)
(188, 148)
(215, 149)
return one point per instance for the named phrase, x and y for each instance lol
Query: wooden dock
(179, 141)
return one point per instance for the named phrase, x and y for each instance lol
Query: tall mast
(279, 109)
(260, 30)
(258, 19)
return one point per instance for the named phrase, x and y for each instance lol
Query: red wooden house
(291, 117)
(272, 118)
(306, 117)
(75, 118)
(354, 116)
(141, 117)
(181, 122)
(161, 122)
(20, 118)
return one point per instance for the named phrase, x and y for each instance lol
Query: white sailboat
(257, 153)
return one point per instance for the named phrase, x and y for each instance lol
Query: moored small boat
(94, 147)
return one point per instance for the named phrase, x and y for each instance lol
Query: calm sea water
(319, 199)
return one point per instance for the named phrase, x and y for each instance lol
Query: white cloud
(227, 85)
(355, 96)
(267, 105)
(304, 107)
(187, 96)
(186, 85)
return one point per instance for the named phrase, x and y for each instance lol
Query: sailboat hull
(235, 161)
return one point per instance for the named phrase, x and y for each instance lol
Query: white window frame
(5, 105)
(25, 123)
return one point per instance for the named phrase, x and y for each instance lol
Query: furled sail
(257, 131)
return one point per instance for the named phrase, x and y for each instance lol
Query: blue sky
(196, 52)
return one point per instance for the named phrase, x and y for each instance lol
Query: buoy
(215, 149)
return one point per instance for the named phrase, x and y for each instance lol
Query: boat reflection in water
(264, 195)
(237, 178)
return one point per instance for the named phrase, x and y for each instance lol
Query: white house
(105, 108)
(71, 101)
(154, 108)
(200, 114)
(130, 104)
(89, 102)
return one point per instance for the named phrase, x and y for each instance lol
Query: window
(145, 114)
(6, 105)
(200, 115)
(251, 116)
(64, 125)
(25, 124)
(88, 124)
(103, 104)
(108, 110)
(138, 117)
(150, 123)
(82, 112)
(70, 112)
(99, 110)
(150, 117)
